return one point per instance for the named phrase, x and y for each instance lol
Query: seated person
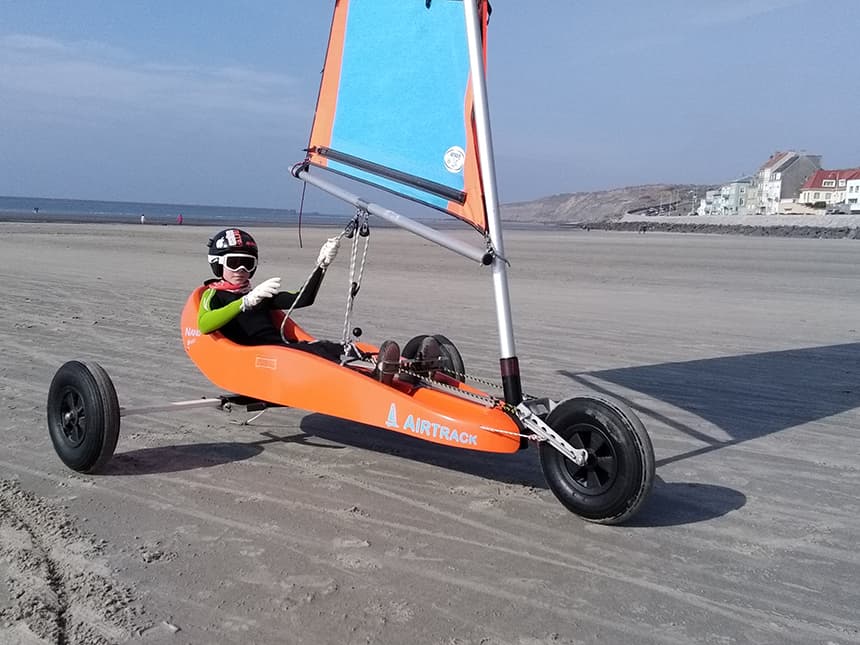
(243, 314)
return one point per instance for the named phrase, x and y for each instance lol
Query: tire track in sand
(56, 592)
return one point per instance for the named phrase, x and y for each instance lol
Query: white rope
(348, 310)
(354, 283)
(293, 306)
(248, 421)
(530, 437)
(289, 311)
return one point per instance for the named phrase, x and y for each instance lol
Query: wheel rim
(600, 470)
(73, 417)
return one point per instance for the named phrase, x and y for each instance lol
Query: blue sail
(395, 104)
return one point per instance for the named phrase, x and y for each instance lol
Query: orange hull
(298, 379)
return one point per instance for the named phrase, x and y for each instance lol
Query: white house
(827, 187)
(852, 193)
(707, 204)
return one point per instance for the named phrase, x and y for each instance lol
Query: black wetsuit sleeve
(285, 299)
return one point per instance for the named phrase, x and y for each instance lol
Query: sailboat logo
(455, 157)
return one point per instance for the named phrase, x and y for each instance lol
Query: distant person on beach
(179, 218)
(242, 313)
(142, 218)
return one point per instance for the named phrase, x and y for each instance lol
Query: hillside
(606, 205)
(667, 207)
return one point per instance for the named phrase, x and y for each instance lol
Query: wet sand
(740, 354)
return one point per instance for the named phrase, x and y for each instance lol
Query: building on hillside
(707, 205)
(827, 187)
(728, 199)
(779, 178)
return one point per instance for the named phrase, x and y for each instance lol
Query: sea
(51, 209)
(44, 209)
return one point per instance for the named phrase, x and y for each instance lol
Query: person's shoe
(387, 361)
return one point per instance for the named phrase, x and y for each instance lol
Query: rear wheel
(452, 361)
(83, 415)
(617, 476)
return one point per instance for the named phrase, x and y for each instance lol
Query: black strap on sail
(451, 194)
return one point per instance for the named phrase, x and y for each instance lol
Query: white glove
(328, 251)
(259, 293)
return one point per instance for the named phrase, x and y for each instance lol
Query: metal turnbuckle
(543, 430)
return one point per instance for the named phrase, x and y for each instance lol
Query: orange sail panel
(395, 103)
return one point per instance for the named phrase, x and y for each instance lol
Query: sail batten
(395, 175)
(395, 108)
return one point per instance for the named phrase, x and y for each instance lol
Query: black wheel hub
(600, 469)
(73, 417)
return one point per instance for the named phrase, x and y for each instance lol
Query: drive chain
(485, 399)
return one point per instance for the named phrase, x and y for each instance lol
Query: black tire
(617, 477)
(452, 360)
(83, 416)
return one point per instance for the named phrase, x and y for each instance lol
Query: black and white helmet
(232, 243)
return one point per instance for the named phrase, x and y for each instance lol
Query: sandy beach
(740, 354)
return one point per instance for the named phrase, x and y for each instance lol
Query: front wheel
(83, 415)
(617, 476)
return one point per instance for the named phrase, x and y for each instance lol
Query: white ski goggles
(238, 262)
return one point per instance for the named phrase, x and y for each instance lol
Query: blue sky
(211, 102)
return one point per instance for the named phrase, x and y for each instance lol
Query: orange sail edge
(474, 209)
(290, 377)
(330, 79)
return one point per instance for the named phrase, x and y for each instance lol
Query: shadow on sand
(748, 396)
(677, 503)
(521, 468)
(669, 503)
(171, 459)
